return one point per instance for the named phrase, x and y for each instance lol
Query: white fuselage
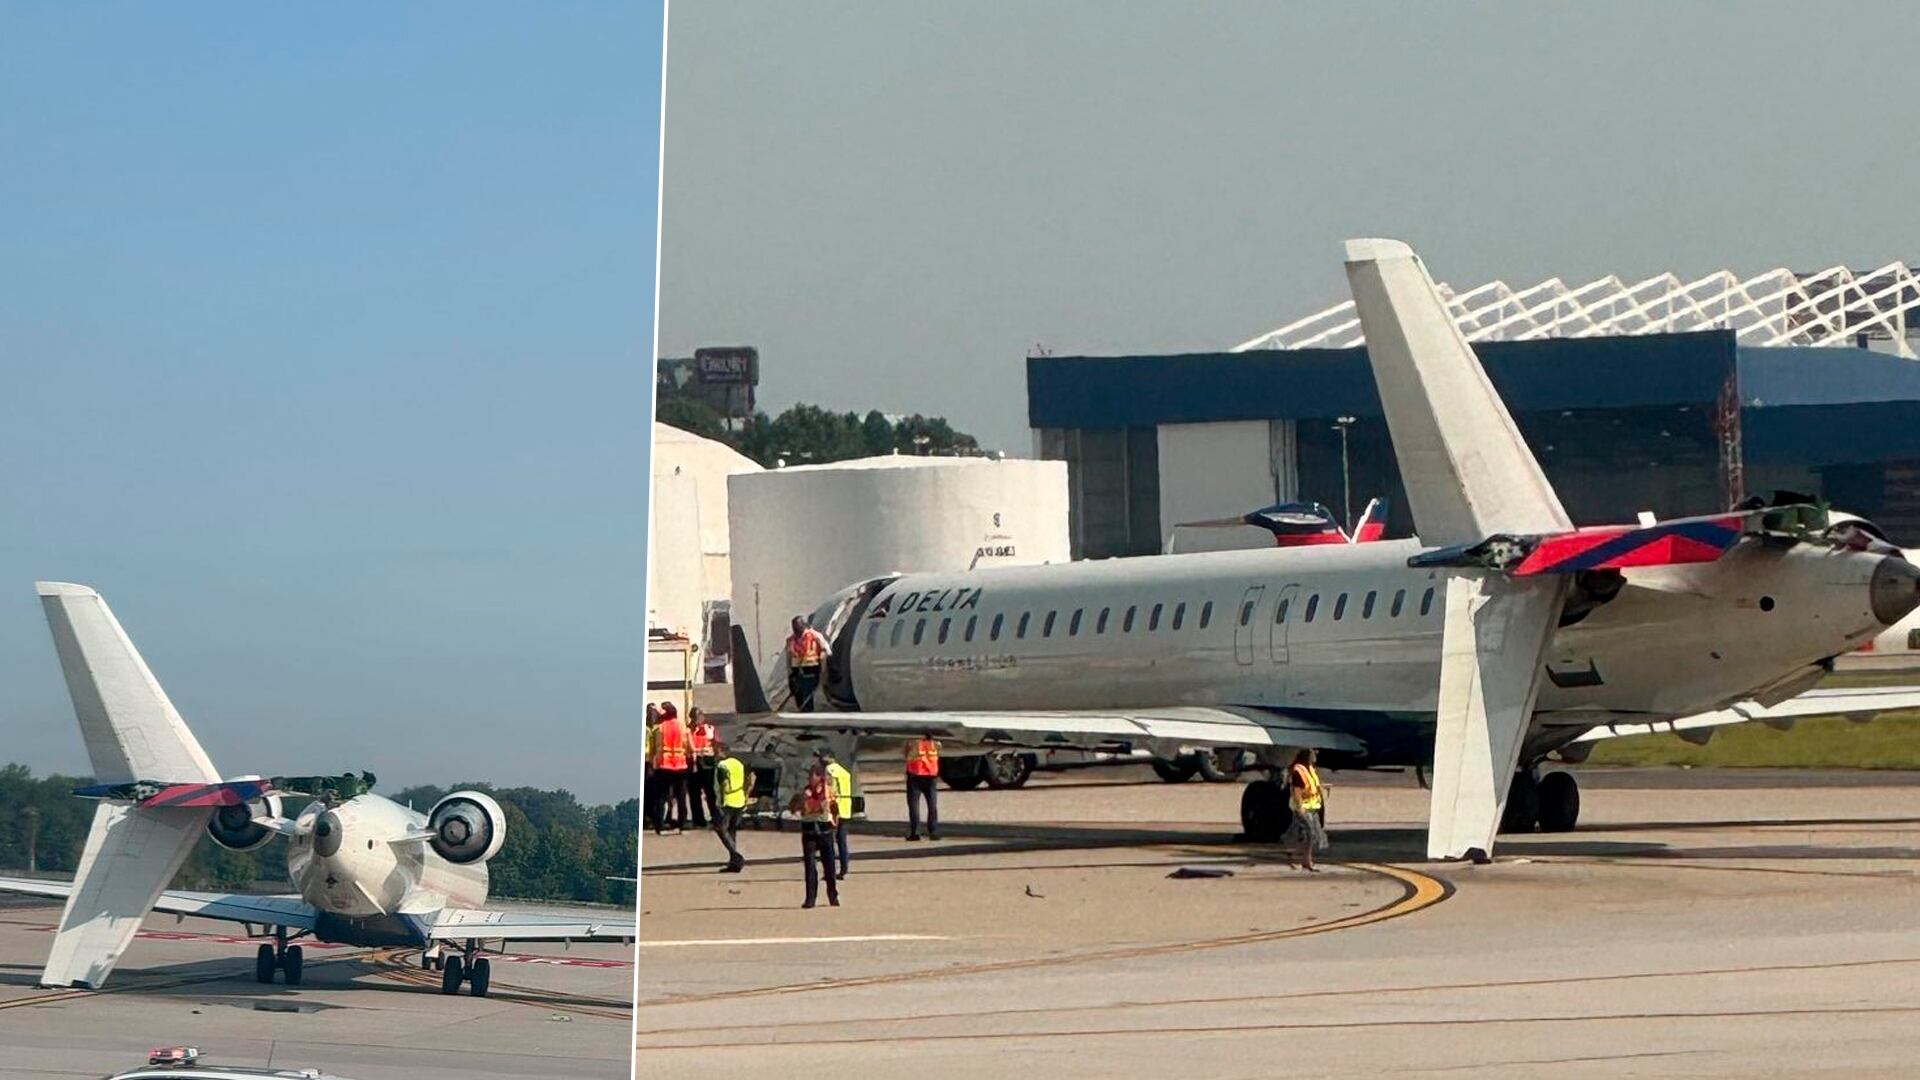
(1336, 628)
(351, 861)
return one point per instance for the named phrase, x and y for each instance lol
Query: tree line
(556, 848)
(810, 435)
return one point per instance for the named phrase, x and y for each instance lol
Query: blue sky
(324, 355)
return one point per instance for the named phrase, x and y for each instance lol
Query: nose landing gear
(466, 966)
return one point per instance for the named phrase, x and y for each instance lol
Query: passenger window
(1280, 609)
(972, 621)
(1246, 612)
(899, 628)
(1179, 614)
(1153, 618)
(1399, 601)
(1073, 624)
(1340, 607)
(944, 624)
(1046, 628)
(1020, 631)
(1313, 606)
(1100, 624)
(1206, 614)
(1127, 627)
(1366, 609)
(993, 632)
(919, 630)
(1426, 602)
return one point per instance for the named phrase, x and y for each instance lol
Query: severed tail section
(132, 732)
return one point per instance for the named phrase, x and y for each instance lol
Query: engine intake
(468, 827)
(233, 827)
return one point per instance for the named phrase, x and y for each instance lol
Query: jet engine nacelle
(234, 827)
(468, 827)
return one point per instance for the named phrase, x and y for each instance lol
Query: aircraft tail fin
(1373, 522)
(1468, 472)
(131, 730)
(749, 696)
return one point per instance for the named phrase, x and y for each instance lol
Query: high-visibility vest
(671, 751)
(1309, 789)
(806, 648)
(702, 739)
(653, 741)
(842, 782)
(923, 758)
(816, 802)
(731, 776)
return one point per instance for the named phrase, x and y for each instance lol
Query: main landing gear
(278, 956)
(1550, 802)
(1265, 811)
(466, 966)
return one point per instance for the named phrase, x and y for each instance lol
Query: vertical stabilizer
(1468, 473)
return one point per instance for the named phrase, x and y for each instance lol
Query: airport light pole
(1341, 424)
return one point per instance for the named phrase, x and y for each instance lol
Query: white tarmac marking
(831, 940)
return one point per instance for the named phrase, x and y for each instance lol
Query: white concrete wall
(1210, 471)
(676, 575)
(799, 535)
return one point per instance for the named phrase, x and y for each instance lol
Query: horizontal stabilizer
(1604, 547)
(162, 793)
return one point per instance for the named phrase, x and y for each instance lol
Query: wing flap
(508, 925)
(1166, 731)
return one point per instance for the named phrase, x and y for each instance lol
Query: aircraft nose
(327, 833)
(1894, 590)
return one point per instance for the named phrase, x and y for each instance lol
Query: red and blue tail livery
(1603, 547)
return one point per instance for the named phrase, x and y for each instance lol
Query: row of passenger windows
(1130, 620)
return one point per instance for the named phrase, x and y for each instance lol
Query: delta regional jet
(369, 871)
(1502, 635)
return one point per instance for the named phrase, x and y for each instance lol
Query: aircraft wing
(288, 911)
(494, 925)
(1166, 732)
(1860, 703)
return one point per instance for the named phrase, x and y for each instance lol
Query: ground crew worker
(818, 811)
(649, 783)
(671, 762)
(842, 782)
(735, 784)
(923, 775)
(1307, 796)
(806, 651)
(700, 734)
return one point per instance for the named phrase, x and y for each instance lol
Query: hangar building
(1663, 395)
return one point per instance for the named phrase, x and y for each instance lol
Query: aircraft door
(1243, 625)
(841, 629)
(1283, 617)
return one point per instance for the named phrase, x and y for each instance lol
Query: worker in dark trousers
(700, 737)
(806, 652)
(650, 783)
(672, 760)
(923, 780)
(818, 812)
(735, 784)
(842, 782)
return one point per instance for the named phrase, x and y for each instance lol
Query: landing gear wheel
(482, 972)
(426, 962)
(451, 975)
(1006, 770)
(1523, 803)
(1178, 771)
(1220, 766)
(962, 774)
(440, 962)
(1264, 812)
(263, 964)
(1559, 802)
(293, 962)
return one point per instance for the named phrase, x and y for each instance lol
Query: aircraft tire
(1523, 803)
(1559, 802)
(482, 974)
(963, 774)
(1219, 767)
(293, 963)
(451, 975)
(263, 964)
(1264, 812)
(1178, 771)
(1006, 770)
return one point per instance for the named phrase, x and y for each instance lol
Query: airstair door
(1243, 625)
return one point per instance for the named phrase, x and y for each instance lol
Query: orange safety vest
(703, 739)
(1310, 797)
(806, 648)
(923, 758)
(671, 751)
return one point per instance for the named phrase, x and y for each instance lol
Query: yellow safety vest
(731, 776)
(1310, 798)
(842, 782)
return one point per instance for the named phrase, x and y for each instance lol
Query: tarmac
(1698, 923)
(367, 1014)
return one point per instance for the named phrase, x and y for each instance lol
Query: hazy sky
(895, 201)
(323, 355)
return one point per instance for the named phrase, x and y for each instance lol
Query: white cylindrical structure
(688, 568)
(798, 535)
